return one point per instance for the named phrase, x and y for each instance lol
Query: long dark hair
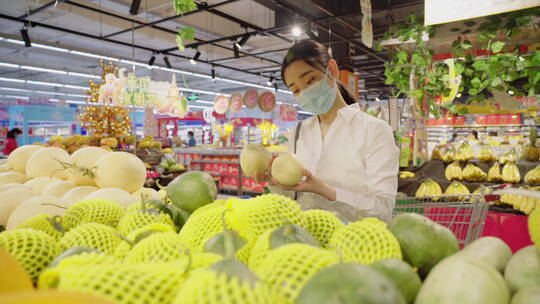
(317, 56)
(15, 131)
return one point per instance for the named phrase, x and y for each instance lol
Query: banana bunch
(448, 155)
(525, 204)
(429, 188)
(485, 155)
(453, 171)
(510, 173)
(509, 157)
(464, 152)
(437, 154)
(533, 177)
(494, 173)
(406, 174)
(472, 173)
(457, 188)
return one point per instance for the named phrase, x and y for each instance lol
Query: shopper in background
(191, 139)
(474, 134)
(11, 140)
(350, 159)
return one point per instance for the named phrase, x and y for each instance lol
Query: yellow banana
(510, 173)
(406, 174)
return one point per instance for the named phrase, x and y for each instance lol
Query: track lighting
(26, 37)
(195, 58)
(151, 61)
(167, 62)
(270, 81)
(242, 41)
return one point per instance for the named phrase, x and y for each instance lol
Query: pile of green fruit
(170, 165)
(192, 248)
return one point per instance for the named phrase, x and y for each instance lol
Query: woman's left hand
(311, 184)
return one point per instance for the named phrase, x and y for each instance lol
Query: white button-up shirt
(358, 157)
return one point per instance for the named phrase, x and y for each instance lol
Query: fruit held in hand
(287, 169)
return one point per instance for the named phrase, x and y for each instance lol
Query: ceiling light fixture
(213, 74)
(134, 9)
(270, 81)
(26, 37)
(243, 41)
(236, 50)
(296, 31)
(152, 59)
(195, 58)
(167, 62)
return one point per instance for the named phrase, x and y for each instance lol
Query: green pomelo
(423, 242)
(523, 269)
(463, 280)
(527, 295)
(403, 276)
(490, 250)
(347, 283)
(192, 190)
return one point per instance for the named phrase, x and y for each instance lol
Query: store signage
(193, 97)
(250, 98)
(221, 104)
(267, 101)
(236, 102)
(287, 112)
(437, 11)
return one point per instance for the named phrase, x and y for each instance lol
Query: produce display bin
(464, 215)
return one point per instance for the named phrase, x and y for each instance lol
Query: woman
(350, 158)
(11, 140)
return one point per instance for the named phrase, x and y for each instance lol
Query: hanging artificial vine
(188, 32)
(512, 71)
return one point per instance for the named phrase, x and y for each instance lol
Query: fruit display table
(511, 228)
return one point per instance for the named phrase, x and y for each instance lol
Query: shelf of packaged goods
(204, 161)
(223, 152)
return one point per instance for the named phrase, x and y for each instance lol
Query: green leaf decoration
(183, 6)
(497, 46)
(188, 33)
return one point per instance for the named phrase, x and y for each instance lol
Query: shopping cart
(464, 215)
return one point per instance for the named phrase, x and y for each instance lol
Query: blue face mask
(318, 98)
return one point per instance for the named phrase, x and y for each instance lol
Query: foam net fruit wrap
(203, 224)
(133, 220)
(149, 283)
(364, 242)
(124, 247)
(42, 222)
(159, 247)
(252, 217)
(321, 224)
(288, 268)
(33, 249)
(260, 249)
(207, 286)
(49, 277)
(91, 235)
(93, 211)
(203, 259)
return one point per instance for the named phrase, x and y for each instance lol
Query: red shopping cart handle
(492, 197)
(504, 186)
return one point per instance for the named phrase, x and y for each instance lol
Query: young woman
(350, 158)
(11, 140)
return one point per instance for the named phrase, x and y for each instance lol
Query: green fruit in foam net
(423, 242)
(33, 249)
(159, 247)
(288, 268)
(402, 274)
(227, 281)
(46, 223)
(91, 235)
(133, 220)
(192, 190)
(202, 225)
(346, 283)
(125, 283)
(125, 246)
(93, 211)
(78, 256)
(364, 242)
(321, 224)
(278, 237)
(252, 217)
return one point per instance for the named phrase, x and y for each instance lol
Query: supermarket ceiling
(69, 36)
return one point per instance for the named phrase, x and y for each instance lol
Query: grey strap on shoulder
(296, 136)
